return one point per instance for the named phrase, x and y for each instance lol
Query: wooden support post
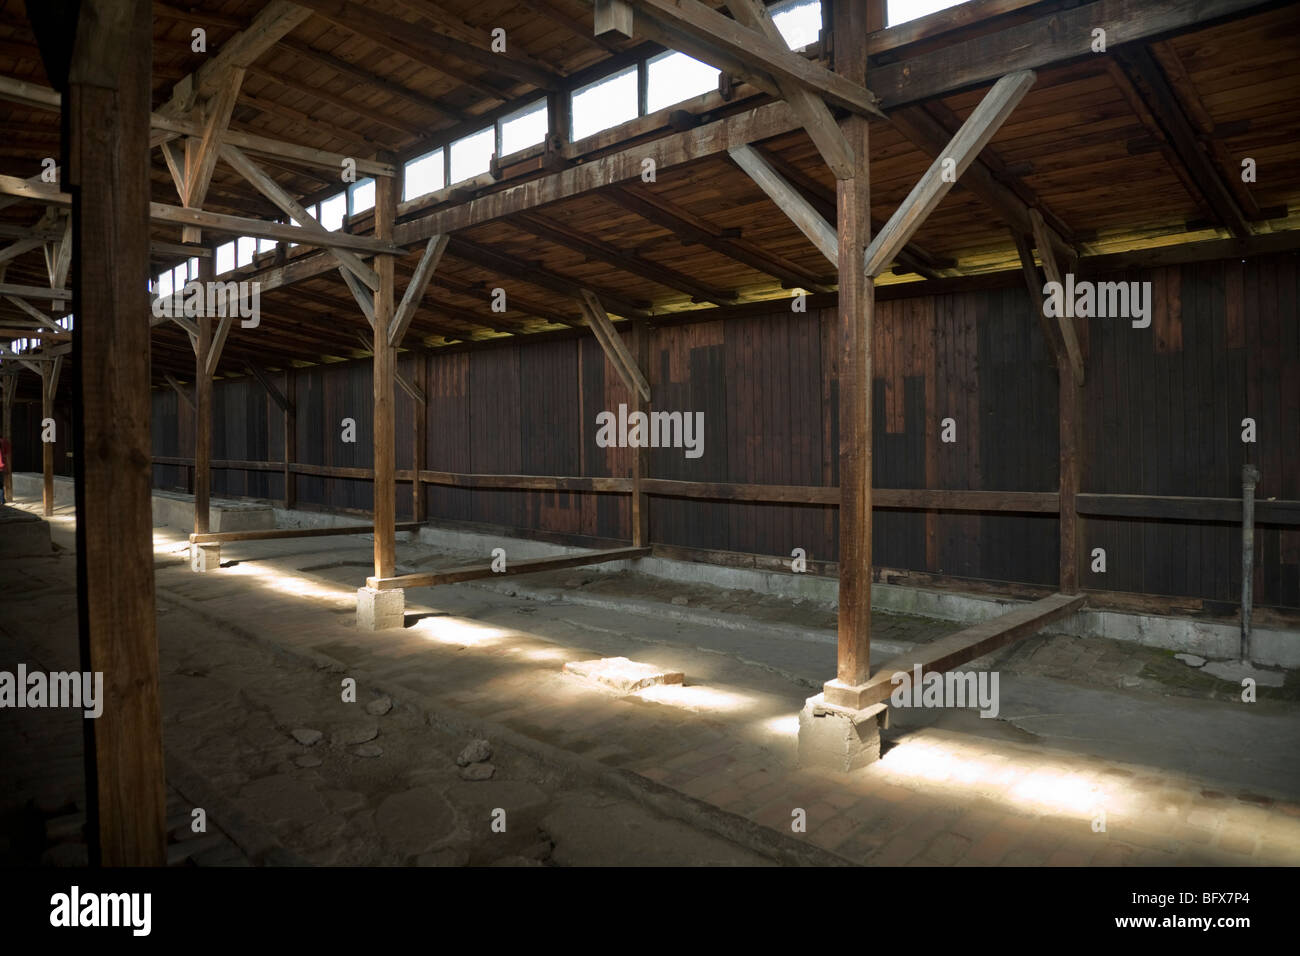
(290, 438)
(47, 447)
(415, 289)
(203, 414)
(951, 163)
(856, 306)
(1071, 429)
(789, 200)
(420, 450)
(1069, 337)
(811, 109)
(201, 154)
(107, 157)
(184, 396)
(7, 431)
(640, 456)
(1024, 248)
(384, 360)
(272, 190)
(612, 344)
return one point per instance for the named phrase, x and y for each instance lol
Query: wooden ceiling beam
(416, 42)
(575, 26)
(316, 91)
(695, 20)
(692, 228)
(1160, 98)
(552, 231)
(514, 303)
(328, 132)
(984, 121)
(518, 270)
(362, 75)
(274, 21)
(1049, 40)
(272, 190)
(512, 61)
(811, 109)
(625, 165)
(912, 258)
(931, 137)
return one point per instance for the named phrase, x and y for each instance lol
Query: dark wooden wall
(1163, 409)
(26, 439)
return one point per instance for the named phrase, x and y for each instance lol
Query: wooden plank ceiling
(1085, 146)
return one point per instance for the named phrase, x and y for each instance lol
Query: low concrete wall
(1270, 646)
(30, 485)
(170, 508)
(176, 510)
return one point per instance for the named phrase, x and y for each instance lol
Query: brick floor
(936, 798)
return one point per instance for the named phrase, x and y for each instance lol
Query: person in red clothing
(6, 453)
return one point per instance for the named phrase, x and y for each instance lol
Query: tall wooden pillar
(106, 108)
(47, 447)
(384, 359)
(7, 431)
(640, 456)
(203, 414)
(290, 436)
(856, 302)
(420, 450)
(1071, 426)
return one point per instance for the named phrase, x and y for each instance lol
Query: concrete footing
(380, 610)
(205, 557)
(836, 738)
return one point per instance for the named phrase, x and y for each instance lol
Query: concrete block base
(835, 738)
(380, 610)
(205, 557)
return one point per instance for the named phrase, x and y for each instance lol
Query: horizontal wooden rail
(966, 645)
(1169, 508)
(473, 572)
(1152, 507)
(1044, 502)
(734, 491)
(527, 482)
(276, 534)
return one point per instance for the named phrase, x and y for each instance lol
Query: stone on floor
(625, 676)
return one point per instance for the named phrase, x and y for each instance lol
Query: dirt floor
(255, 658)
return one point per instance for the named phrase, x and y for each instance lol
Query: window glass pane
(799, 22)
(363, 193)
(244, 251)
(266, 245)
(673, 77)
(225, 258)
(900, 11)
(332, 211)
(164, 284)
(179, 277)
(194, 268)
(604, 103)
(423, 175)
(473, 154)
(524, 128)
